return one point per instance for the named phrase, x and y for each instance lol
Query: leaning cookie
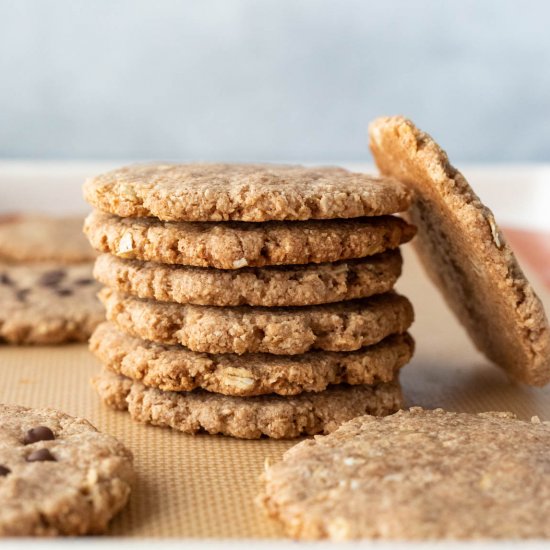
(243, 192)
(174, 368)
(58, 474)
(247, 417)
(465, 253)
(301, 285)
(233, 245)
(44, 303)
(416, 475)
(39, 238)
(344, 326)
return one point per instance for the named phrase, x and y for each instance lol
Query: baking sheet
(204, 486)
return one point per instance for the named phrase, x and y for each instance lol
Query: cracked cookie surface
(273, 416)
(268, 287)
(243, 192)
(173, 368)
(234, 245)
(343, 326)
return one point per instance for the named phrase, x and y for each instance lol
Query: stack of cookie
(249, 300)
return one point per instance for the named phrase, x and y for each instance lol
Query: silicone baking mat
(204, 486)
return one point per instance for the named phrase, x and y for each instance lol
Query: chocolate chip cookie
(45, 303)
(58, 474)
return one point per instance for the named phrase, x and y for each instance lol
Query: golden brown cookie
(344, 326)
(416, 475)
(39, 238)
(267, 286)
(243, 192)
(45, 303)
(173, 368)
(58, 474)
(233, 245)
(247, 417)
(465, 253)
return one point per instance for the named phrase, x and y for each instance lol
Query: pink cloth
(534, 248)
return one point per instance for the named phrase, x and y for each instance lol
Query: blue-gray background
(271, 79)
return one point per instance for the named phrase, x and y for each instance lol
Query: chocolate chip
(5, 279)
(52, 278)
(22, 293)
(64, 291)
(4, 471)
(41, 455)
(40, 433)
(84, 282)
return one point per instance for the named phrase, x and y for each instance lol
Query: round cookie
(247, 417)
(416, 475)
(243, 192)
(268, 287)
(234, 245)
(39, 238)
(48, 304)
(343, 326)
(465, 253)
(58, 474)
(173, 368)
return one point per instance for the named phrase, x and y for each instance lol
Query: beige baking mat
(204, 486)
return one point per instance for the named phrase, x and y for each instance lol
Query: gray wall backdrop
(271, 79)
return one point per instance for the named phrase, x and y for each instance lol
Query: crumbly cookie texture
(344, 326)
(248, 417)
(233, 245)
(39, 238)
(416, 475)
(58, 474)
(465, 253)
(243, 192)
(47, 303)
(173, 368)
(269, 286)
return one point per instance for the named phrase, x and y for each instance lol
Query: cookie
(58, 474)
(416, 475)
(233, 245)
(344, 326)
(243, 192)
(268, 286)
(248, 417)
(173, 368)
(38, 238)
(47, 303)
(465, 253)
